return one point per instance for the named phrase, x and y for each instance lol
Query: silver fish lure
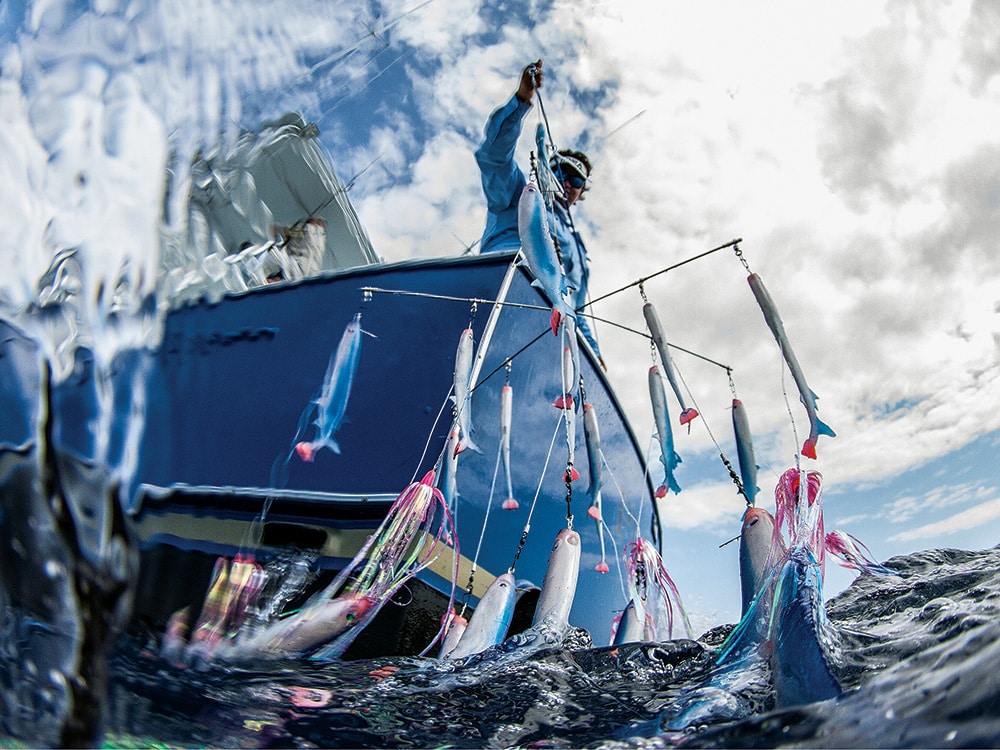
(595, 459)
(668, 456)
(559, 586)
(488, 624)
(540, 253)
(463, 395)
(744, 451)
(806, 395)
(506, 411)
(656, 331)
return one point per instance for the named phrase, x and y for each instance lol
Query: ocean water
(918, 656)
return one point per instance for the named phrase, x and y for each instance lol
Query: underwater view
(915, 653)
(290, 458)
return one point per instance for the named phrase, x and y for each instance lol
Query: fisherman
(503, 182)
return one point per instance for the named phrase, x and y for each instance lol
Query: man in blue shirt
(503, 182)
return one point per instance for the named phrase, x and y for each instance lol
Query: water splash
(104, 108)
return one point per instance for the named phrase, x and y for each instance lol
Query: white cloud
(965, 520)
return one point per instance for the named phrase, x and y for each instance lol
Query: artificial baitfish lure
(850, 552)
(448, 474)
(540, 253)
(629, 626)
(488, 624)
(668, 456)
(653, 592)
(806, 395)
(565, 401)
(568, 406)
(506, 411)
(595, 458)
(559, 587)
(331, 404)
(454, 628)
(315, 624)
(463, 394)
(744, 451)
(786, 612)
(656, 331)
(761, 548)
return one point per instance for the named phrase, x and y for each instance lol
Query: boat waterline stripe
(340, 544)
(158, 492)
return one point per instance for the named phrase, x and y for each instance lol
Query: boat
(243, 353)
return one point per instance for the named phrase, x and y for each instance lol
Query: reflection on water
(105, 109)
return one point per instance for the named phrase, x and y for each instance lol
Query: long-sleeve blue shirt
(503, 181)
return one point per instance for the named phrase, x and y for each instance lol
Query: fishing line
(448, 298)
(341, 55)
(538, 490)
(482, 534)
(623, 505)
(788, 407)
(568, 404)
(544, 158)
(509, 359)
(735, 538)
(369, 82)
(526, 306)
(430, 435)
(722, 454)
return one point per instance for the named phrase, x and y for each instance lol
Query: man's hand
(531, 79)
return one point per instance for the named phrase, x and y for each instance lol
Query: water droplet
(54, 569)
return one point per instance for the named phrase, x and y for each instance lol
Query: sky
(852, 146)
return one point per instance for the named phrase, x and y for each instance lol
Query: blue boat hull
(231, 379)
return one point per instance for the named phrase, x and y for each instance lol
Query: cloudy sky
(853, 146)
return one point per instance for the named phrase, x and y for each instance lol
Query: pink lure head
(452, 618)
(428, 478)
(510, 504)
(358, 608)
(571, 474)
(602, 567)
(688, 416)
(809, 448)
(554, 321)
(661, 492)
(306, 451)
(594, 512)
(564, 402)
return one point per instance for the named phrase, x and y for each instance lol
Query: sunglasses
(575, 181)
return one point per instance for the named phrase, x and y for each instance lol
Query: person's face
(573, 185)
